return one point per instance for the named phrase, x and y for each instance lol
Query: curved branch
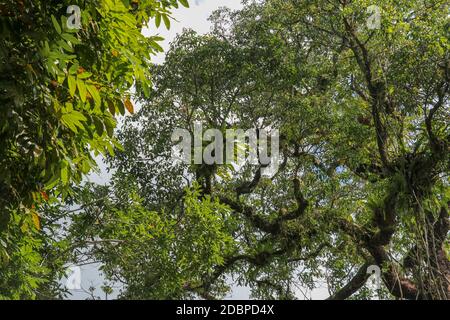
(358, 280)
(257, 221)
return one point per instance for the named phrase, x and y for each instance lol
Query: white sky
(195, 17)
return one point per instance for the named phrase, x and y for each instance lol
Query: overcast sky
(195, 17)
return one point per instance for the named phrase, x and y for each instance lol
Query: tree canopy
(363, 114)
(363, 180)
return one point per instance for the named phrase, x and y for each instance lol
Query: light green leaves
(164, 17)
(76, 79)
(95, 94)
(84, 75)
(158, 19)
(57, 107)
(185, 3)
(81, 89)
(56, 24)
(166, 21)
(73, 120)
(179, 255)
(73, 68)
(72, 85)
(64, 172)
(70, 38)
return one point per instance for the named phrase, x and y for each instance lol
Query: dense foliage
(363, 114)
(61, 84)
(363, 180)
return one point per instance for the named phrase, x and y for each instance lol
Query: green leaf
(73, 69)
(69, 123)
(166, 21)
(95, 94)
(158, 19)
(73, 120)
(70, 38)
(65, 46)
(72, 85)
(99, 127)
(156, 46)
(81, 89)
(84, 75)
(85, 167)
(185, 3)
(121, 107)
(78, 116)
(56, 24)
(146, 90)
(64, 173)
(36, 220)
(109, 125)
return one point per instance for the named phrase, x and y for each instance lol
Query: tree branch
(358, 280)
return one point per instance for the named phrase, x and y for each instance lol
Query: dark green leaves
(56, 82)
(56, 24)
(185, 3)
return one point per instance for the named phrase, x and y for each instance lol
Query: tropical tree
(362, 109)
